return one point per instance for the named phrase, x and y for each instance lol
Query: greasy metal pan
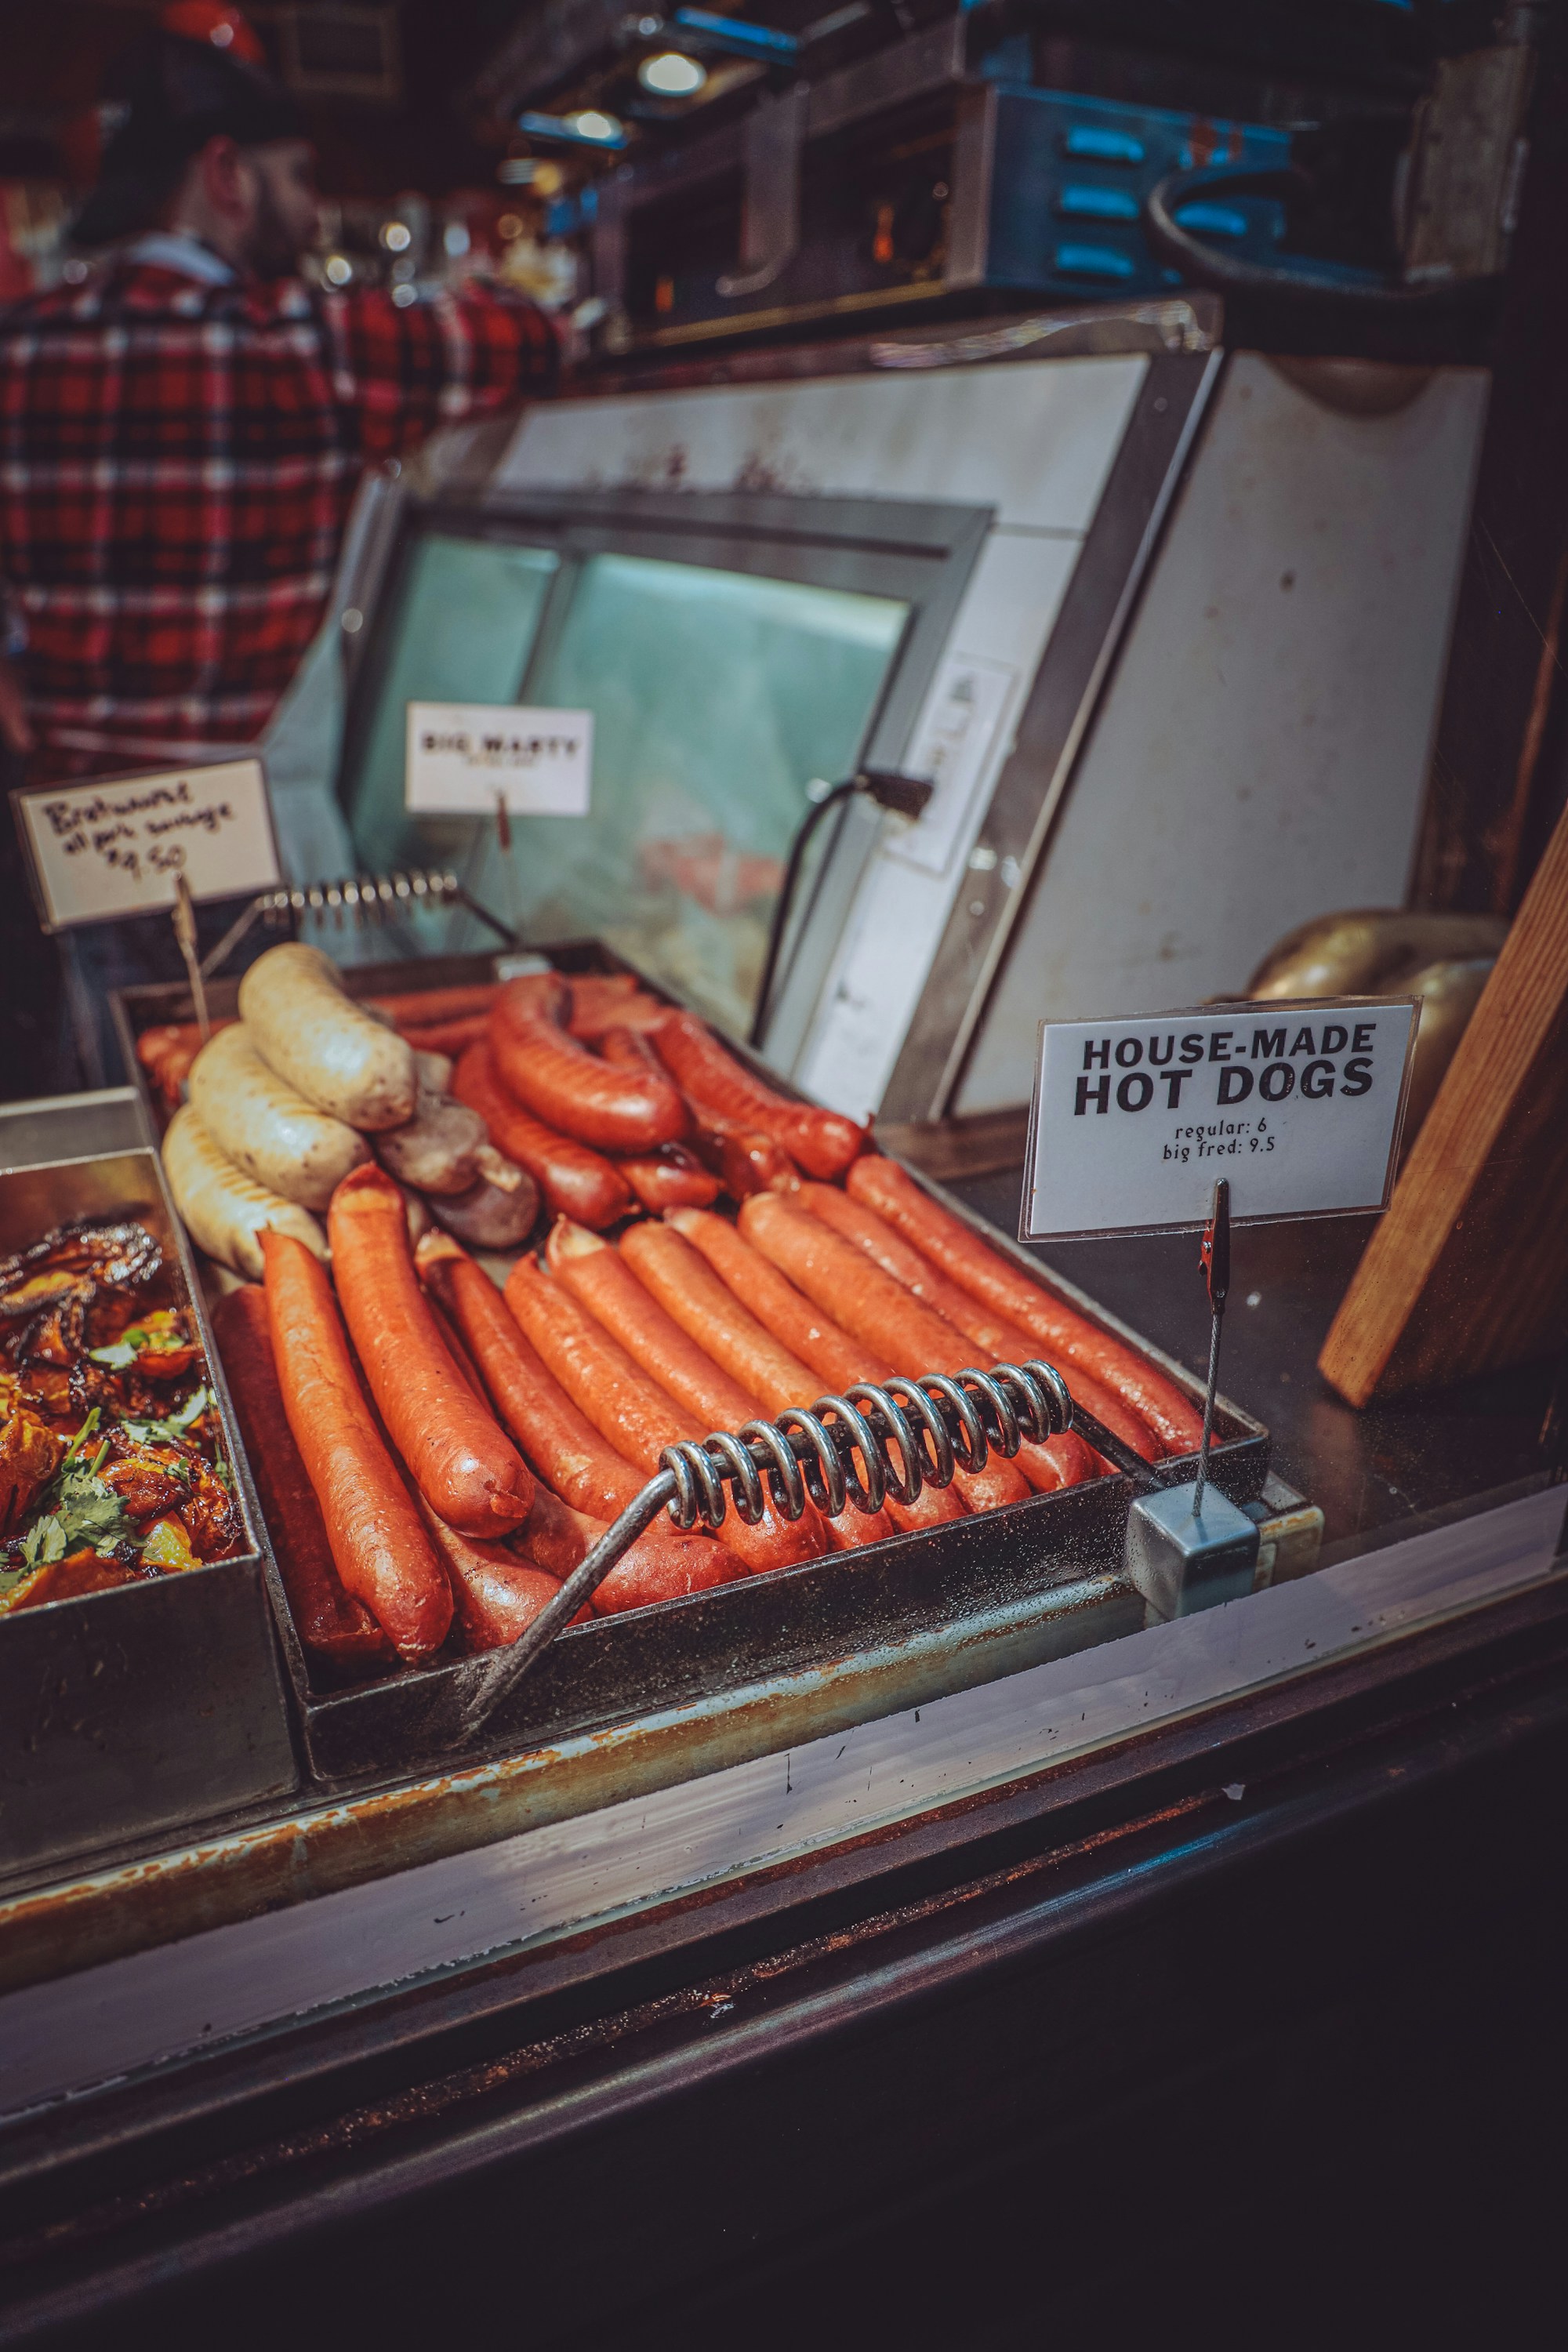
(1048, 1571)
(126, 1714)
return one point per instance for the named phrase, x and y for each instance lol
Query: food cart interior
(1054, 514)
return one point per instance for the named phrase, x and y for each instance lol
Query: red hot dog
(378, 1542)
(633, 1412)
(462, 1463)
(674, 1181)
(337, 1630)
(998, 1340)
(568, 1452)
(598, 1275)
(663, 1563)
(601, 1280)
(677, 1274)
(802, 1328)
(561, 1082)
(421, 1006)
(874, 1310)
(821, 1141)
(1067, 1337)
(498, 1595)
(576, 1183)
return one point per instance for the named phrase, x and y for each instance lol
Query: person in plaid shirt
(180, 434)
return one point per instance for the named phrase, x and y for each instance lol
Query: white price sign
(113, 847)
(1299, 1106)
(462, 756)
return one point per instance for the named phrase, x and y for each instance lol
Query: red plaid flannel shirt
(178, 461)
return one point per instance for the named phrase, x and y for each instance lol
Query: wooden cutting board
(1468, 1270)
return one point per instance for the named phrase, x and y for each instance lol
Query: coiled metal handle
(854, 1450)
(847, 1453)
(362, 899)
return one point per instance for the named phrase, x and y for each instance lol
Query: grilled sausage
(498, 1596)
(576, 1183)
(663, 1563)
(571, 1090)
(1068, 1339)
(680, 1277)
(336, 1054)
(632, 1413)
(337, 1631)
(378, 1541)
(422, 1007)
(672, 1181)
(805, 1331)
(998, 1340)
(463, 1464)
(223, 1211)
(822, 1141)
(875, 1309)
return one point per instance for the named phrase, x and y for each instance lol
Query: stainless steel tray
(125, 1714)
(962, 1602)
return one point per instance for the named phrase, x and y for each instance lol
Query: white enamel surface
(1261, 757)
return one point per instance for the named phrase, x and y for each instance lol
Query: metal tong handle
(840, 1452)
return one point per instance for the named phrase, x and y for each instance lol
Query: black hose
(1297, 281)
(904, 795)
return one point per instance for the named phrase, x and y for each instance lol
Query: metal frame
(1068, 688)
(923, 552)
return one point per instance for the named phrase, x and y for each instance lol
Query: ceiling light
(670, 74)
(589, 123)
(396, 236)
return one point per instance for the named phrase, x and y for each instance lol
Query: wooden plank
(1468, 1270)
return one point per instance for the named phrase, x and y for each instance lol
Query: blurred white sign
(463, 756)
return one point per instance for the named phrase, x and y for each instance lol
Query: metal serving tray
(124, 1714)
(966, 1602)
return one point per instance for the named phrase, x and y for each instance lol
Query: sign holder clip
(1190, 1546)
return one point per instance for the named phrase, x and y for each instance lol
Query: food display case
(394, 1959)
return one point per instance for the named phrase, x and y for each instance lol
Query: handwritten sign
(1299, 1105)
(461, 755)
(113, 847)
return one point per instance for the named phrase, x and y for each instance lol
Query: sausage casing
(602, 1103)
(337, 1630)
(1067, 1337)
(225, 1211)
(461, 1459)
(574, 1182)
(266, 1126)
(378, 1541)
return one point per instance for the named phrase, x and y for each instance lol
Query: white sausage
(308, 1032)
(266, 1126)
(223, 1209)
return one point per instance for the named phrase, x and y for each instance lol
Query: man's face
(285, 214)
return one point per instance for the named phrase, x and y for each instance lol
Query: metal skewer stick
(1215, 1259)
(892, 1437)
(185, 916)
